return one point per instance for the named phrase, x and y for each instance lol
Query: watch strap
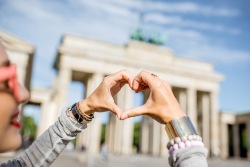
(76, 114)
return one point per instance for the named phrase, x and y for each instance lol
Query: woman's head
(12, 94)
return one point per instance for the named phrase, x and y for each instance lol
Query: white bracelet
(185, 141)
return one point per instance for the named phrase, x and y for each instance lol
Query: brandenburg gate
(195, 85)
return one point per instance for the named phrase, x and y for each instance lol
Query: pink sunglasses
(9, 74)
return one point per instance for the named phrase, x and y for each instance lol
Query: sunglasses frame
(9, 74)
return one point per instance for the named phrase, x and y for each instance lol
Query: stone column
(83, 138)
(192, 105)
(183, 100)
(144, 135)
(248, 139)
(181, 97)
(206, 120)
(63, 82)
(121, 142)
(214, 122)
(236, 140)
(164, 141)
(44, 122)
(145, 131)
(94, 128)
(155, 138)
(90, 138)
(125, 101)
(117, 145)
(110, 132)
(224, 140)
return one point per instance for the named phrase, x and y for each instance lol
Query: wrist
(85, 107)
(172, 113)
(175, 116)
(80, 116)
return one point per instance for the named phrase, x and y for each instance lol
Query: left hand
(161, 104)
(102, 98)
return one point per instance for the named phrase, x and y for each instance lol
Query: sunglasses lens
(12, 82)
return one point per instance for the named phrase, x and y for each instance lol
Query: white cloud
(34, 9)
(135, 4)
(107, 8)
(177, 7)
(217, 54)
(180, 33)
(164, 20)
(194, 45)
(194, 8)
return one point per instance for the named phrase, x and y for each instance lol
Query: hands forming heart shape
(161, 104)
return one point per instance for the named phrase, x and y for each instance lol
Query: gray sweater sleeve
(194, 156)
(49, 145)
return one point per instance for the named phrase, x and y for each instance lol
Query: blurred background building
(195, 85)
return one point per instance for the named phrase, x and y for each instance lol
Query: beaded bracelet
(185, 141)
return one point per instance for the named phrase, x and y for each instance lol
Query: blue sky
(216, 31)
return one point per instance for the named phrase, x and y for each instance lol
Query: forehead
(3, 55)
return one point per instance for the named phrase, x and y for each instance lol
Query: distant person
(104, 151)
(161, 106)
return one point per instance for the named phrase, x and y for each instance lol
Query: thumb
(116, 110)
(133, 112)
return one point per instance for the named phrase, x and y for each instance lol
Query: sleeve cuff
(194, 156)
(71, 126)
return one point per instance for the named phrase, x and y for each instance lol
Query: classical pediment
(12, 42)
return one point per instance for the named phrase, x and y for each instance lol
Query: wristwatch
(81, 119)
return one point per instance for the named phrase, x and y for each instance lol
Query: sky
(215, 31)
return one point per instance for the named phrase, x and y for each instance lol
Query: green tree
(29, 127)
(136, 137)
(103, 131)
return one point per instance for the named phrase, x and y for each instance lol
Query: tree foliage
(136, 137)
(103, 132)
(29, 127)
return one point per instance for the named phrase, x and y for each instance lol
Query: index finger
(123, 75)
(144, 77)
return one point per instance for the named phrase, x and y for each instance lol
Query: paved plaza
(79, 160)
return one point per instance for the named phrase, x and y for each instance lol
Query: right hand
(161, 104)
(102, 99)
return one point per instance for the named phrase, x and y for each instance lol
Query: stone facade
(235, 135)
(20, 53)
(195, 85)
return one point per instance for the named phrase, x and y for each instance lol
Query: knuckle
(158, 83)
(106, 80)
(144, 72)
(126, 72)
